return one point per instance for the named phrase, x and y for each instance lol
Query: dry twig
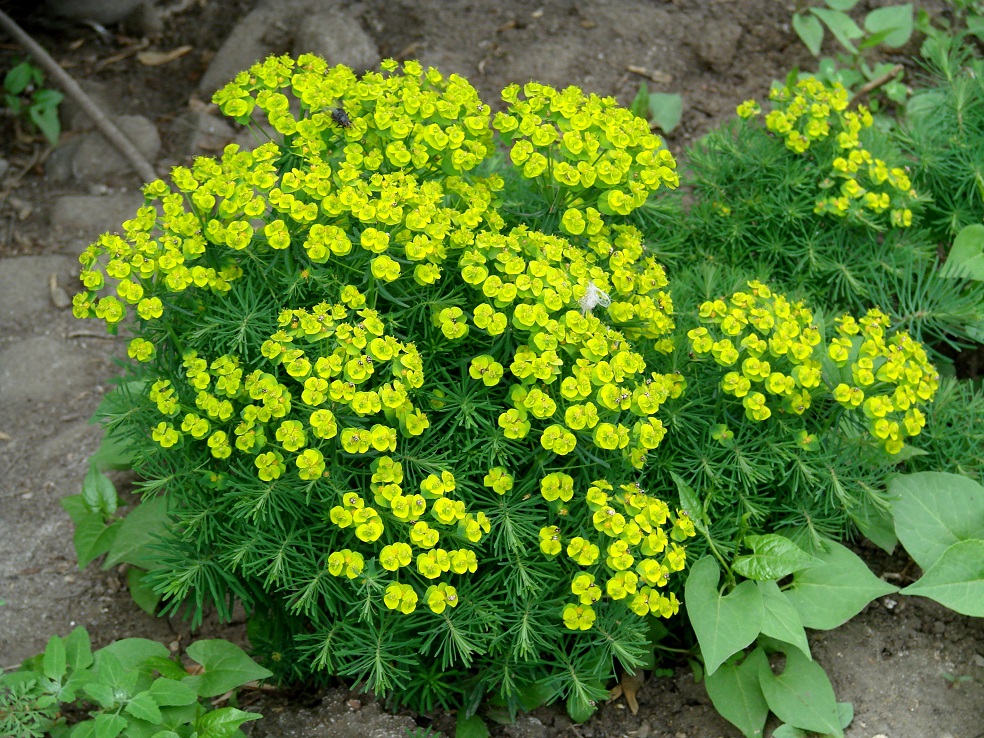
(72, 89)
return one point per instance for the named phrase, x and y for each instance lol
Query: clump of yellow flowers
(811, 116)
(777, 360)
(411, 429)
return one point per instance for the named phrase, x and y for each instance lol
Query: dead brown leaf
(157, 58)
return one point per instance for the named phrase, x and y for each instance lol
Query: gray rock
(338, 38)
(42, 369)
(58, 166)
(74, 118)
(100, 11)
(91, 215)
(253, 38)
(718, 44)
(197, 132)
(96, 160)
(526, 726)
(24, 285)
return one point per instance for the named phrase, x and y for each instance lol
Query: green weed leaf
(737, 695)
(724, 624)
(108, 726)
(780, 619)
(876, 524)
(223, 723)
(810, 31)
(773, 557)
(966, 258)
(666, 109)
(473, 727)
(843, 5)
(54, 663)
(827, 596)
(226, 666)
(840, 24)
(92, 538)
(690, 503)
(934, 510)
(142, 526)
(640, 103)
(956, 580)
(802, 695)
(168, 692)
(144, 707)
(78, 649)
(895, 21)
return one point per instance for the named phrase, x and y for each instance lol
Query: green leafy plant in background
(131, 687)
(663, 109)
(889, 26)
(25, 96)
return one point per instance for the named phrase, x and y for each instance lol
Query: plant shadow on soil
(902, 661)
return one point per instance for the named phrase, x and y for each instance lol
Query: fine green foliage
(410, 399)
(131, 687)
(26, 96)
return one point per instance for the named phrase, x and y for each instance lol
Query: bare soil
(911, 668)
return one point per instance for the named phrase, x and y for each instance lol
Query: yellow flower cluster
(888, 376)
(866, 186)
(769, 346)
(774, 352)
(575, 375)
(639, 555)
(418, 121)
(599, 153)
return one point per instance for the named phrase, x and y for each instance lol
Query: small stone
(59, 297)
(526, 726)
(353, 704)
(246, 44)
(196, 131)
(58, 166)
(74, 117)
(23, 280)
(22, 209)
(338, 38)
(41, 369)
(97, 159)
(718, 44)
(92, 215)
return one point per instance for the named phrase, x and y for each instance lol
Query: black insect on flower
(339, 115)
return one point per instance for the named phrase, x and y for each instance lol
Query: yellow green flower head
(400, 597)
(440, 597)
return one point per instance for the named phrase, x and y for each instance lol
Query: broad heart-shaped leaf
(876, 524)
(802, 695)
(810, 31)
(966, 257)
(737, 695)
(841, 25)
(956, 580)
(142, 593)
(142, 526)
(473, 727)
(844, 5)
(896, 20)
(934, 510)
(666, 109)
(98, 492)
(226, 666)
(222, 723)
(773, 557)
(780, 619)
(724, 625)
(827, 596)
